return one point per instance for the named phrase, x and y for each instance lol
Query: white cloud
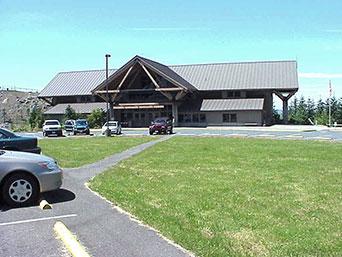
(309, 75)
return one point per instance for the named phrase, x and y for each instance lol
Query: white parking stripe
(35, 220)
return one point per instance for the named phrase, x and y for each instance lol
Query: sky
(38, 39)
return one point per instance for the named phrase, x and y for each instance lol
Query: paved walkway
(102, 229)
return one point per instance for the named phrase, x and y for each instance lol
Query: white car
(52, 127)
(114, 127)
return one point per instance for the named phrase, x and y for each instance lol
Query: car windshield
(160, 121)
(7, 132)
(112, 123)
(81, 123)
(68, 122)
(49, 123)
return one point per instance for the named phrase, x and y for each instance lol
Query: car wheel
(44, 134)
(151, 132)
(20, 189)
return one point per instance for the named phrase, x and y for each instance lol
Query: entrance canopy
(144, 75)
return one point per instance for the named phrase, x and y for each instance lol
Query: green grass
(75, 152)
(235, 197)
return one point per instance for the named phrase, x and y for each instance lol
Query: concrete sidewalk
(105, 230)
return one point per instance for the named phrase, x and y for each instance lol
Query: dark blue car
(81, 127)
(11, 141)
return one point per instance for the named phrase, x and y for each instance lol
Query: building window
(203, 118)
(229, 117)
(180, 117)
(195, 117)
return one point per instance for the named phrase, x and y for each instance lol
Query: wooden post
(175, 113)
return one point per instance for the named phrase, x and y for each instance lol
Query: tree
(70, 113)
(321, 115)
(96, 118)
(275, 116)
(36, 118)
(310, 105)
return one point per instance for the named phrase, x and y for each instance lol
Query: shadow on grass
(53, 197)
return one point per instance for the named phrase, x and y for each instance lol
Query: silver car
(23, 176)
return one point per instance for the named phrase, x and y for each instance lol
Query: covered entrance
(143, 90)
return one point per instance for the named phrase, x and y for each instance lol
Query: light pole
(107, 96)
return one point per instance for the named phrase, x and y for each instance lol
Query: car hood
(25, 156)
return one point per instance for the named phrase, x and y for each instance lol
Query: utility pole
(330, 93)
(108, 132)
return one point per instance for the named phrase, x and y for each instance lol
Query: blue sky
(40, 38)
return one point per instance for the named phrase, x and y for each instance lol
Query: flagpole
(329, 103)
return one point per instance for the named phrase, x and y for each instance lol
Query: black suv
(162, 125)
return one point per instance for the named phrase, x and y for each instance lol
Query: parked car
(52, 127)
(81, 127)
(23, 176)
(69, 125)
(114, 127)
(161, 125)
(11, 141)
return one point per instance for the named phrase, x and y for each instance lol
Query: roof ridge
(86, 70)
(177, 65)
(220, 63)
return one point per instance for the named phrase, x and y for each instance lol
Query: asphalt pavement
(277, 132)
(101, 228)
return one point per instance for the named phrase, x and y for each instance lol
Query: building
(221, 94)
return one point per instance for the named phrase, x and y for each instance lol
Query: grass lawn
(235, 197)
(77, 151)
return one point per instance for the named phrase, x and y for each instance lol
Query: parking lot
(302, 133)
(29, 231)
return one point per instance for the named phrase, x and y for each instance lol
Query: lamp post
(108, 133)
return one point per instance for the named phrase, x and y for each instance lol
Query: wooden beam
(105, 92)
(124, 78)
(167, 95)
(169, 89)
(149, 75)
(133, 79)
(180, 95)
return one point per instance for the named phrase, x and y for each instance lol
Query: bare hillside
(15, 106)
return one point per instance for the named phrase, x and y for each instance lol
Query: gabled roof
(272, 75)
(159, 68)
(246, 104)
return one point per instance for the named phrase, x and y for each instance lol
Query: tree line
(306, 111)
(95, 119)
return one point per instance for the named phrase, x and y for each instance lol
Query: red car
(161, 125)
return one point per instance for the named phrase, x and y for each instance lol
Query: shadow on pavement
(57, 196)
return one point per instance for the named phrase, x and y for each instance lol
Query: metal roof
(241, 76)
(245, 104)
(78, 107)
(74, 83)
(276, 75)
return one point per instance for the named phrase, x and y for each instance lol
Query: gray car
(23, 176)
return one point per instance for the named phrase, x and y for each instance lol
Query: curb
(70, 240)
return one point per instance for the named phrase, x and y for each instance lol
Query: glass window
(237, 94)
(187, 117)
(2, 136)
(229, 117)
(195, 117)
(136, 116)
(233, 117)
(180, 118)
(203, 118)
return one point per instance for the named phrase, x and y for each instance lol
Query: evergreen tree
(321, 116)
(70, 113)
